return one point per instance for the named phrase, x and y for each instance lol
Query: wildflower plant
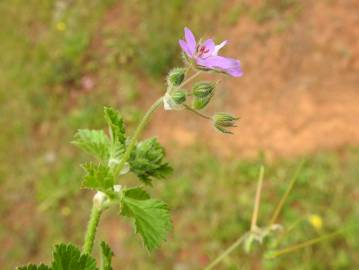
(115, 154)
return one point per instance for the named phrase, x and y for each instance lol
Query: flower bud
(176, 76)
(200, 103)
(203, 89)
(221, 121)
(170, 104)
(178, 96)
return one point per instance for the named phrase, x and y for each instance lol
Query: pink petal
(185, 48)
(210, 46)
(190, 39)
(228, 65)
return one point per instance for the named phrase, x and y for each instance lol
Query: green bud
(203, 89)
(221, 121)
(178, 96)
(200, 103)
(176, 76)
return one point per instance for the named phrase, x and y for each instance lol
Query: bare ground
(300, 91)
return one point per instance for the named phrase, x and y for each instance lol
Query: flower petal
(219, 46)
(209, 46)
(190, 39)
(185, 48)
(228, 65)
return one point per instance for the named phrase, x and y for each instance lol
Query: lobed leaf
(66, 257)
(151, 216)
(69, 257)
(98, 177)
(94, 142)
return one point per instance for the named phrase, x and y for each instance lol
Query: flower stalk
(137, 132)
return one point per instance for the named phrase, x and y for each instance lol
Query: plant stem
(280, 205)
(137, 132)
(197, 112)
(281, 252)
(257, 199)
(226, 252)
(96, 209)
(96, 212)
(190, 78)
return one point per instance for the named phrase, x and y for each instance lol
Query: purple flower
(206, 56)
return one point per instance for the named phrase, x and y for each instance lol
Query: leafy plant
(116, 154)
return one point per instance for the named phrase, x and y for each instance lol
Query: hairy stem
(190, 78)
(96, 212)
(137, 132)
(96, 209)
(197, 112)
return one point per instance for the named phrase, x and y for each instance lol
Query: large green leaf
(69, 257)
(66, 257)
(151, 216)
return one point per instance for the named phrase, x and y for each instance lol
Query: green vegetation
(55, 78)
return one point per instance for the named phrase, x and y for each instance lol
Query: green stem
(137, 132)
(281, 252)
(197, 112)
(190, 78)
(96, 209)
(226, 252)
(96, 212)
(257, 199)
(286, 194)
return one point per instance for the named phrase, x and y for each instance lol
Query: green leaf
(34, 267)
(151, 216)
(116, 125)
(98, 177)
(68, 257)
(106, 256)
(147, 161)
(94, 142)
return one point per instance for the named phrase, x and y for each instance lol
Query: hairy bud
(203, 89)
(170, 104)
(176, 76)
(178, 96)
(222, 121)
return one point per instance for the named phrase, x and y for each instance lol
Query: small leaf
(116, 125)
(34, 267)
(151, 216)
(68, 257)
(94, 142)
(147, 161)
(106, 256)
(98, 177)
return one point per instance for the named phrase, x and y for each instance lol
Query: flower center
(201, 50)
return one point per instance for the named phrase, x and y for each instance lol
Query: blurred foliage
(63, 60)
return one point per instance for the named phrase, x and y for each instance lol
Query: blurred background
(62, 61)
